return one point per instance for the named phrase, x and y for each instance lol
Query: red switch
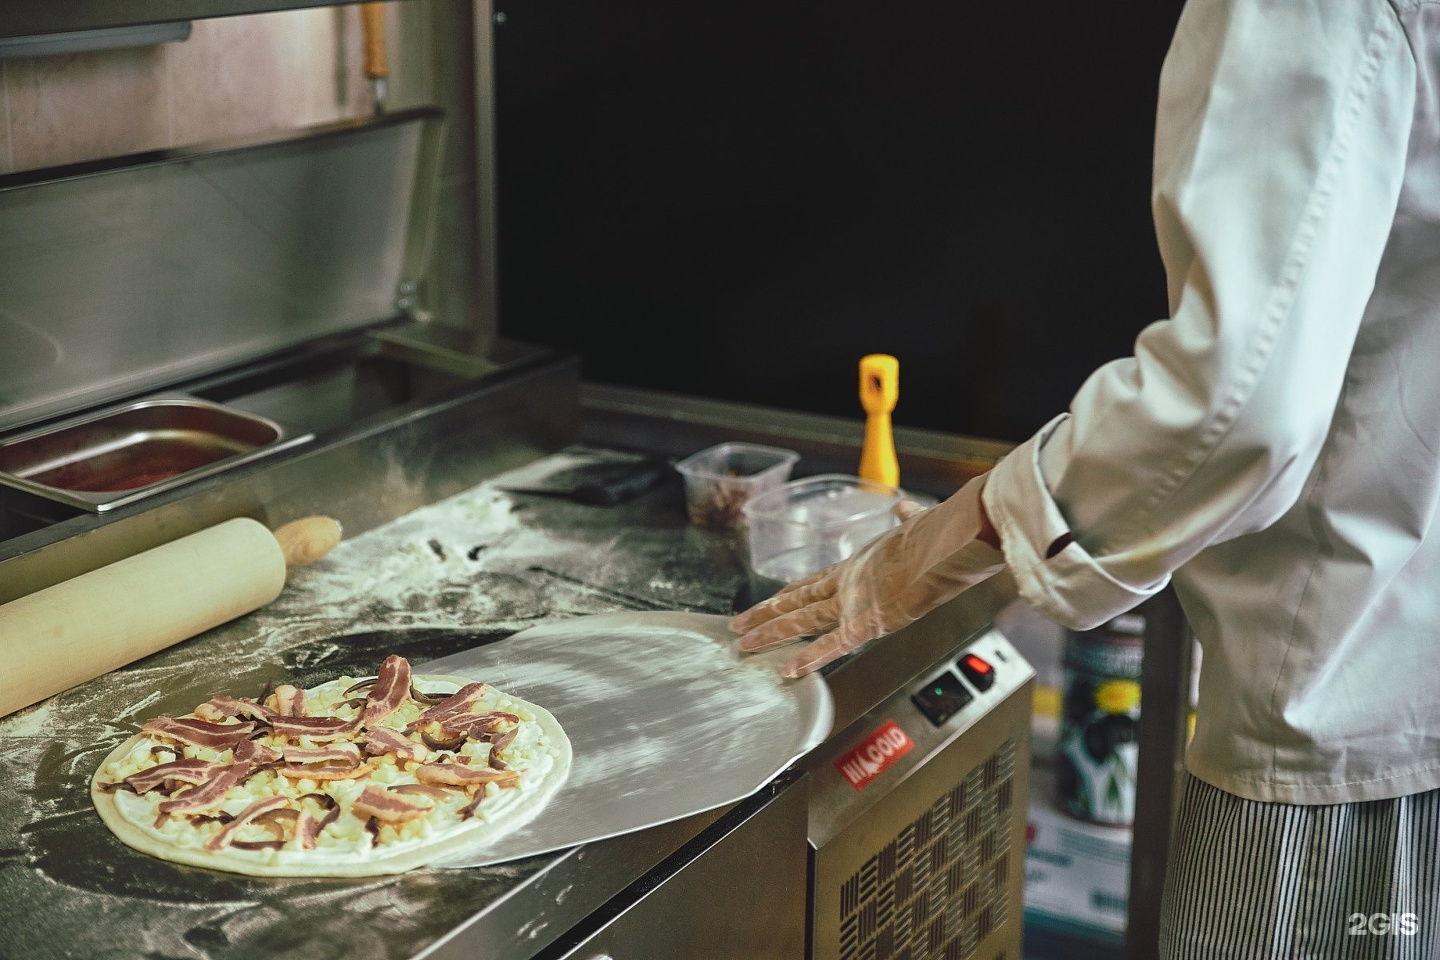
(977, 671)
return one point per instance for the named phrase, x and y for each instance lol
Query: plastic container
(720, 480)
(806, 525)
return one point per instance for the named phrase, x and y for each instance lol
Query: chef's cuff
(1052, 571)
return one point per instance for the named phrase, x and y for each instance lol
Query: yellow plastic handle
(879, 391)
(879, 382)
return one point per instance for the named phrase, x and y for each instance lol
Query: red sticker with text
(874, 754)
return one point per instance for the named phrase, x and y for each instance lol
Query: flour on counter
(466, 571)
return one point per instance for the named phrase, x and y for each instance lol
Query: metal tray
(122, 454)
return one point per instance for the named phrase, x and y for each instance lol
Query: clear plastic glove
(887, 584)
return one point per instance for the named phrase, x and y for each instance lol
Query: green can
(1097, 754)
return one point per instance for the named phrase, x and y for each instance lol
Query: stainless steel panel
(537, 909)
(929, 864)
(741, 897)
(20, 18)
(120, 455)
(126, 276)
(836, 805)
(85, 41)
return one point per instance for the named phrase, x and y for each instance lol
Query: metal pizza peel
(665, 717)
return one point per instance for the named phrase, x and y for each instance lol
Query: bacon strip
(307, 830)
(497, 748)
(258, 844)
(382, 740)
(388, 806)
(289, 701)
(420, 696)
(335, 751)
(198, 733)
(478, 724)
(227, 833)
(391, 688)
(220, 707)
(461, 701)
(272, 819)
(257, 771)
(453, 743)
(209, 794)
(323, 771)
(271, 816)
(429, 790)
(184, 771)
(316, 728)
(461, 776)
(313, 831)
(255, 752)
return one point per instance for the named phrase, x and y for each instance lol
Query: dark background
(740, 200)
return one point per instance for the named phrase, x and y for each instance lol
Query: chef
(1274, 447)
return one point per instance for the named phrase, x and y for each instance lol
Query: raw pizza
(355, 777)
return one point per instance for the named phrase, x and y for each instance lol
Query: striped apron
(1277, 881)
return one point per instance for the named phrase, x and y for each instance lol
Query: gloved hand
(888, 583)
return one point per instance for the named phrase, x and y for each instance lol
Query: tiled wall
(250, 75)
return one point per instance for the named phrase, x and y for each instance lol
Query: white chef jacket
(1275, 444)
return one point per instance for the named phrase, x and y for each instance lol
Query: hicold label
(873, 755)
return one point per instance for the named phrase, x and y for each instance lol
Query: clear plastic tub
(806, 525)
(720, 480)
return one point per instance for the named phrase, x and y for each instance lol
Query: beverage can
(1097, 754)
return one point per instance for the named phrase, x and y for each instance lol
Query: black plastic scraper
(597, 477)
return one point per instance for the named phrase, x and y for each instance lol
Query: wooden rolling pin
(74, 631)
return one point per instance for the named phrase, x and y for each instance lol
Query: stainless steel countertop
(449, 574)
(467, 570)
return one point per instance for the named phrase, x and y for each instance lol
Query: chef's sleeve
(1280, 149)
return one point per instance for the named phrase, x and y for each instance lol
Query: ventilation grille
(938, 889)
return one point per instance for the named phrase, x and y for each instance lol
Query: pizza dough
(389, 789)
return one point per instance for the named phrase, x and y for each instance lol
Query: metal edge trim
(181, 154)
